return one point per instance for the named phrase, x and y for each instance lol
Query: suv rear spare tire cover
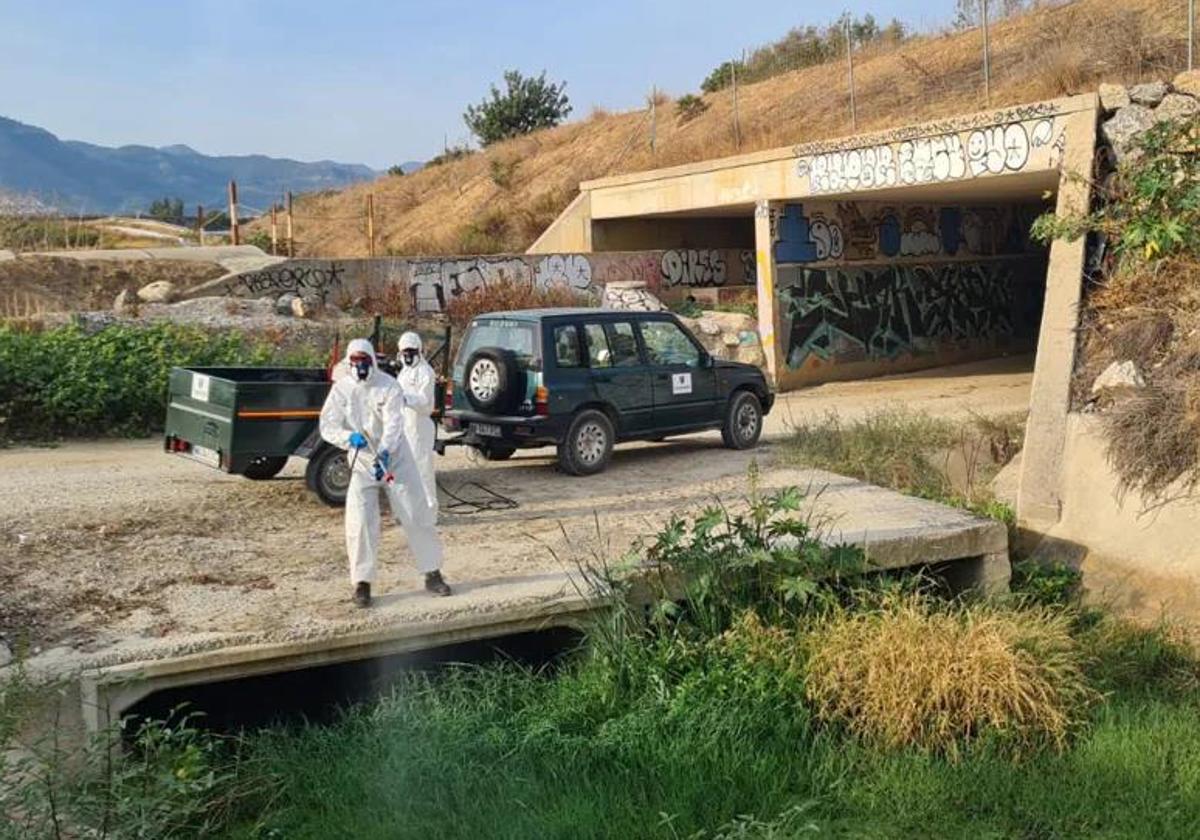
(493, 380)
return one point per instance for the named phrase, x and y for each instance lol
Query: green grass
(908, 450)
(500, 752)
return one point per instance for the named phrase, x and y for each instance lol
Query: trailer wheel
(265, 467)
(328, 475)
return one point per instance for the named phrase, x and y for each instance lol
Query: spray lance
(381, 471)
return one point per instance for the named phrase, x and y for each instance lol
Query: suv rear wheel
(587, 447)
(743, 421)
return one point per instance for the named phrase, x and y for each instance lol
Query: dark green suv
(584, 379)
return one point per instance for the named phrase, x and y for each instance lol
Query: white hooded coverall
(374, 408)
(418, 384)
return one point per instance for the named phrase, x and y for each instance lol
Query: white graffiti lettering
(991, 150)
(558, 270)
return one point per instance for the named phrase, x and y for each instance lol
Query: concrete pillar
(1039, 496)
(768, 315)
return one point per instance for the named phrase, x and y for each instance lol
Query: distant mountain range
(77, 177)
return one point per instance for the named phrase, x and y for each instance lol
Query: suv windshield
(518, 336)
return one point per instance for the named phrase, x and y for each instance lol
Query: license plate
(486, 429)
(204, 455)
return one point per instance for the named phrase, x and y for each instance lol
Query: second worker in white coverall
(363, 415)
(418, 383)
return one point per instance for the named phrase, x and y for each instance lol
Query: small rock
(161, 291)
(1119, 380)
(283, 304)
(1113, 97)
(1150, 93)
(123, 304)
(731, 340)
(1176, 106)
(708, 326)
(1188, 82)
(1125, 126)
(305, 307)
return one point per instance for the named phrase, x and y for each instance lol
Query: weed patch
(918, 674)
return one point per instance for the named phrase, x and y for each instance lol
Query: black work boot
(362, 594)
(435, 584)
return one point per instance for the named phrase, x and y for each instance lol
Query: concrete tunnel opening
(890, 282)
(320, 693)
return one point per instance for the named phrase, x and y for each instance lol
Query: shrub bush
(67, 381)
(688, 107)
(935, 677)
(507, 295)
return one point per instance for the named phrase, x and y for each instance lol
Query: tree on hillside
(969, 12)
(525, 105)
(166, 210)
(721, 77)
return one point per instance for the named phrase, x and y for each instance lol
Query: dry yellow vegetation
(501, 199)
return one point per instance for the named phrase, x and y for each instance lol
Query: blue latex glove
(357, 440)
(379, 468)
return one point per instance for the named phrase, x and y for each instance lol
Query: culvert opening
(318, 694)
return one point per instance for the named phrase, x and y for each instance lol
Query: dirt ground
(110, 549)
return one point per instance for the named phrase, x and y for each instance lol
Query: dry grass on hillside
(501, 199)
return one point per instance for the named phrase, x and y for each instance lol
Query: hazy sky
(362, 81)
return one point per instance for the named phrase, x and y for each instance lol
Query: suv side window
(599, 355)
(612, 345)
(566, 347)
(667, 344)
(623, 343)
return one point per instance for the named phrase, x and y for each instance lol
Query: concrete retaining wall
(1138, 555)
(430, 283)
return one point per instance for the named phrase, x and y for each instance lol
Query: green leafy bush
(689, 106)
(68, 381)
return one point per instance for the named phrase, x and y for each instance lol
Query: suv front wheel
(743, 421)
(588, 444)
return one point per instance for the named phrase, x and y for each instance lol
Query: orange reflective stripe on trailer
(282, 414)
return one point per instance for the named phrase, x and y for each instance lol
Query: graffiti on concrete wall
(303, 278)
(881, 312)
(692, 267)
(433, 283)
(926, 160)
(571, 271)
(853, 231)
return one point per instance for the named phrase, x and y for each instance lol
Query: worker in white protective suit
(418, 383)
(363, 415)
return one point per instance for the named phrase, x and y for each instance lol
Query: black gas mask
(360, 363)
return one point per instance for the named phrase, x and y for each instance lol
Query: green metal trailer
(250, 420)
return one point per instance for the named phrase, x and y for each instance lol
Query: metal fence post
(737, 125)
(1191, 31)
(850, 65)
(987, 57)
